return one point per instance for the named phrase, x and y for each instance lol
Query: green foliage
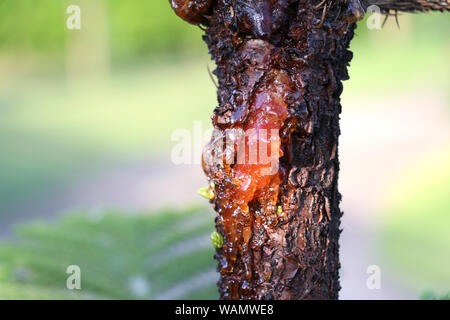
(431, 295)
(216, 240)
(120, 256)
(204, 192)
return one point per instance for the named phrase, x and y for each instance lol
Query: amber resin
(192, 11)
(247, 176)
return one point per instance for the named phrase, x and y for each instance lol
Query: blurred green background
(74, 102)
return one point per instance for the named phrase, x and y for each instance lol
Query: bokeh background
(86, 177)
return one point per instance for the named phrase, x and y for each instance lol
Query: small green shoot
(216, 240)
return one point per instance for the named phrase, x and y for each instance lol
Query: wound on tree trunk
(280, 64)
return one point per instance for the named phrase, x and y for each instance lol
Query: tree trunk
(280, 65)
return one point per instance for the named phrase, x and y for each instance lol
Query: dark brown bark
(281, 232)
(294, 256)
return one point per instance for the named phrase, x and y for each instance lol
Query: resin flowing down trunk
(280, 65)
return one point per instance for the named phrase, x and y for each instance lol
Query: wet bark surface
(280, 64)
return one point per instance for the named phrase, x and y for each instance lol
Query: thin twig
(396, 18)
(322, 19)
(211, 76)
(319, 5)
(384, 21)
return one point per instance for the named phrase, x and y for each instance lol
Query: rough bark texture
(294, 255)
